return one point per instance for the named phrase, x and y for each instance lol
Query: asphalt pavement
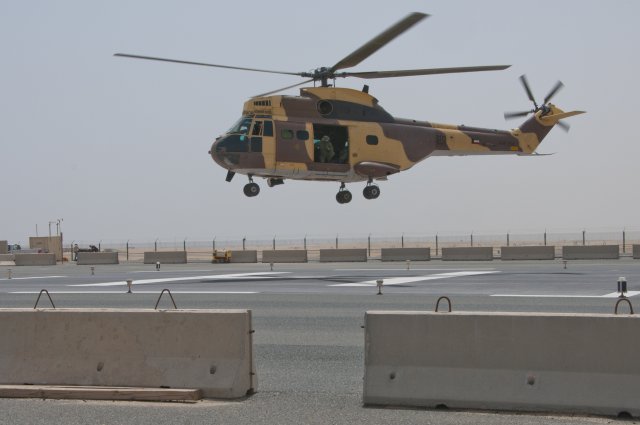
(309, 341)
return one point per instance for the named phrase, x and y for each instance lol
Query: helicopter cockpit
(244, 136)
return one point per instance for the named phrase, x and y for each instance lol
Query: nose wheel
(343, 196)
(251, 189)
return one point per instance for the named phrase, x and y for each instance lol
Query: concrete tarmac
(309, 341)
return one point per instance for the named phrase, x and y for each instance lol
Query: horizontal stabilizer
(536, 154)
(560, 116)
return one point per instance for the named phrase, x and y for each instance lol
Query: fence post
(336, 241)
(155, 246)
(127, 251)
(305, 242)
(274, 242)
(507, 238)
(184, 245)
(402, 241)
(624, 240)
(243, 242)
(214, 244)
(583, 238)
(436, 244)
(545, 237)
(471, 239)
(369, 244)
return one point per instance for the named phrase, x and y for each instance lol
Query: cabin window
(372, 140)
(302, 135)
(286, 133)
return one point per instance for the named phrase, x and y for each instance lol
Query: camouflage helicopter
(343, 135)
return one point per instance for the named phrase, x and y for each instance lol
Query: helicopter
(343, 135)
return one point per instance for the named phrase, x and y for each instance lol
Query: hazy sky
(118, 147)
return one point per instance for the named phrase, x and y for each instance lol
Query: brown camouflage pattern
(401, 143)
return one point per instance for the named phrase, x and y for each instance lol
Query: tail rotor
(544, 107)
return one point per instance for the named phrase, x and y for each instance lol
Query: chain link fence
(202, 250)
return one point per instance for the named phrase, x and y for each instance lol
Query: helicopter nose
(222, 152)
(217, 152)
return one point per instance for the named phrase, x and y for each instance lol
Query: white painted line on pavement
(611, 295)
(35, 277)
(139, 292)
(169, 271)
(257, 275)
(404, 269)
(402, 280)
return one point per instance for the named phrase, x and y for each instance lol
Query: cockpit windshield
(241, 126)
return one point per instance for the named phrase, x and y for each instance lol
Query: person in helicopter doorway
(326, 149)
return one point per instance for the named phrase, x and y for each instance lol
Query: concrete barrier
(503, 361)
(7, 260)
(35, 259)
(250, 256)
(527, 252)
(343, 255)
(403, 254)
(209, 350)
(284, 256)
(636, 252)
(4, 247)
(467, 254)
(91, 258)
(165, 257)
(592, 252)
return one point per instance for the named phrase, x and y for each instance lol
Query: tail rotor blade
(511, 115)
(525, 84)
(553, 91)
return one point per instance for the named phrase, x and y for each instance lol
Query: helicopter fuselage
(284, 137)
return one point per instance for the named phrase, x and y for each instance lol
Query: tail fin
(533, 130)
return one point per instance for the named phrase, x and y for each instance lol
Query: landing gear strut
(343, 196)
(251, 189)
(371, 191)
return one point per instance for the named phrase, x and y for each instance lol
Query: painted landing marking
(256, 275)
(139, 292)
(402, 280)
(35, 277)
(610, 295)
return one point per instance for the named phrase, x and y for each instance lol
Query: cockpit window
(241, 127)
(257, 129)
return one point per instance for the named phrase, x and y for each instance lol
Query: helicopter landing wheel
(371, 192)
(251, 189)
(344, 197)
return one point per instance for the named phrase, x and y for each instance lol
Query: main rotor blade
(379, 41)
(125, 55)
(525, 84)
(553, 91)
(510, 115)
(426, 71)
(283, 88)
